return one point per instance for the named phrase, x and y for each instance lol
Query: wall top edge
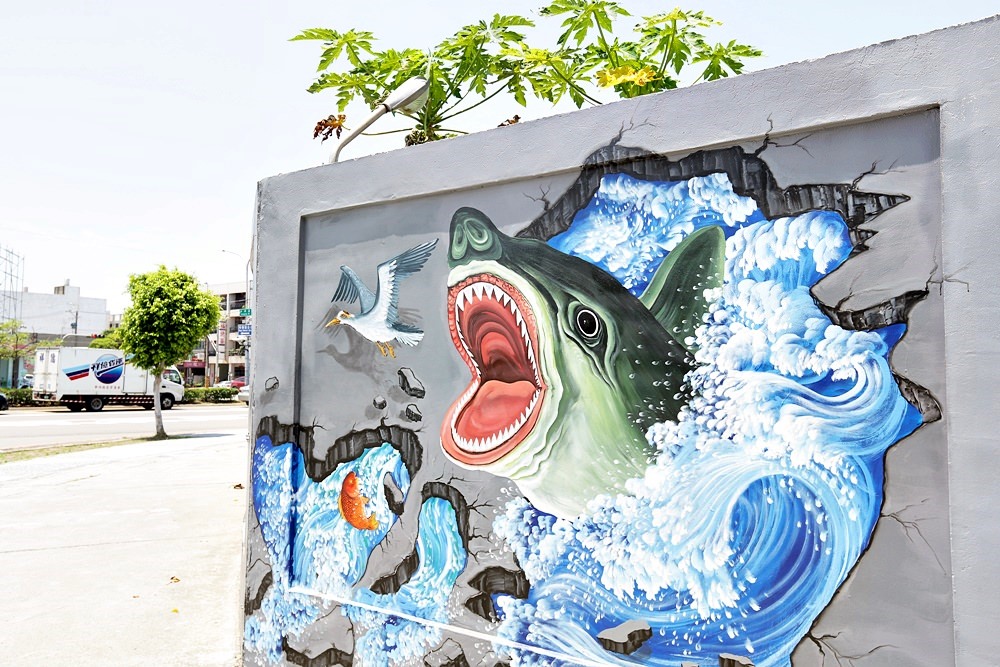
(891, 78)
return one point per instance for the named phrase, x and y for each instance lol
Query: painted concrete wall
(700, 378)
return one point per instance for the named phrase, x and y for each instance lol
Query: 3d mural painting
(687, 447)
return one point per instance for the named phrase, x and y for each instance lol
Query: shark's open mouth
(494, 329)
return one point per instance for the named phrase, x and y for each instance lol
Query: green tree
(169, 315)
(15, 344)
(109, 339)
(481, 61)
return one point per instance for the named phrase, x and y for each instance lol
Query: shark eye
(587, 323)
(478, 235)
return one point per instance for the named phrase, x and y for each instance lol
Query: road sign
(244, 329)
(245, 312)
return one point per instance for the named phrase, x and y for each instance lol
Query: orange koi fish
(352, 504)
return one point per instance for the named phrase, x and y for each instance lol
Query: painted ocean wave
(768, 486)
(393, 629)
(631, 225)
(310, 545)
(762, 498)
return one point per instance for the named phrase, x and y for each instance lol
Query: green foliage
(15, 343)
(468, 64)
(19, 397)
(110, 339)
(169, 315)
(485, 59)
(210, 395)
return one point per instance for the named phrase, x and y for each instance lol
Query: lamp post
(246, 272)
(410, 96)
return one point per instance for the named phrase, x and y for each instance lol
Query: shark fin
(676, 294)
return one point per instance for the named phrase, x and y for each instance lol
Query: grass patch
(39, 452)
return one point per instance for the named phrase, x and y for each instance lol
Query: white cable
(494, 639)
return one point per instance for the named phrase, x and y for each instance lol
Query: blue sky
(132, 134)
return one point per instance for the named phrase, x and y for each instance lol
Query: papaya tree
(591, 61)
(170, 314)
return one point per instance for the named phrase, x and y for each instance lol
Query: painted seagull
(378, 320)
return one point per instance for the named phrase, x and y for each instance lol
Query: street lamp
(410, 96)
(246, 273)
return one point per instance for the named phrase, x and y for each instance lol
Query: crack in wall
(824, 644)
(911, 526)
(448, 654)
(891, 311)
(749, 175)
(346, 448)
(329, 658)
(250, 605)
(391, 583)
(492, 580)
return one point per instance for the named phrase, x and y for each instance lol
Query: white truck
(83, 377)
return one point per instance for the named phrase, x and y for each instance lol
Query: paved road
(22, 428)
(127, 555)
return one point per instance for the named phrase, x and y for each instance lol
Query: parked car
(244, 395)
(235, 383)
(26, 382)
(3, 402)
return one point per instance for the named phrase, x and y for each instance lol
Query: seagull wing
(351, 288)
(391, 272)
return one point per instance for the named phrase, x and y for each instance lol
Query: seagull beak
(335, 320)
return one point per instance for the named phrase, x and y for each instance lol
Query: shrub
(210, 395)
(19, 397)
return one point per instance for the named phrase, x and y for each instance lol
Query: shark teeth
(479, 445)
(480, 290)
(473, 291)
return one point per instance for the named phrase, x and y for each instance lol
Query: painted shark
(568, 368)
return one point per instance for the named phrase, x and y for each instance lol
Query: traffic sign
(244, 329)
(245, 312)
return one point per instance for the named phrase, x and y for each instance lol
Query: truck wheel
(95, 404)
(166, 402)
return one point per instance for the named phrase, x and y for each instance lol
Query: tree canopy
(169, 315)
(13, 341)
(480, 61)
(109, 339)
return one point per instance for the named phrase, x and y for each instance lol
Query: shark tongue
(494, 407)
(492, 325)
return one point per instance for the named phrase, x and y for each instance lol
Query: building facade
(64, 315)
(223, 354)
(11, 279)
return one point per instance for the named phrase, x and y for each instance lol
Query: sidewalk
(128, 555)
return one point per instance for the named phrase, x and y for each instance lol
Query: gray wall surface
(886, 155)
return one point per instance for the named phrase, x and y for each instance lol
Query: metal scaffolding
(11, 284)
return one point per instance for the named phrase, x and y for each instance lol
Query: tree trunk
(157, 381)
